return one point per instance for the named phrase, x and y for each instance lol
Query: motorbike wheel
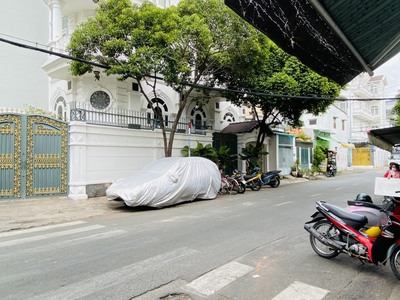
(325, 228)
(275, 183)
(256, 185)
(234, 189)
(242, 188)
(395, 262)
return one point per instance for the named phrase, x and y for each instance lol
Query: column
(56, 19)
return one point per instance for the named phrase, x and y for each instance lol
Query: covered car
(168, 181)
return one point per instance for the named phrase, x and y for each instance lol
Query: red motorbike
(336, 230)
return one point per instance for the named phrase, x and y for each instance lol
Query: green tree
(183, 46)
(318, 156)
(207, 151)
(264, 71)
(396, 112)
(253, 156)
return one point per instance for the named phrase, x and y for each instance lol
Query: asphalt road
(250, 246)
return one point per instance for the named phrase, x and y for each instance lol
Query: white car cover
(169, 181)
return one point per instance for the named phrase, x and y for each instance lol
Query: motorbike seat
(272, 172)
(355, 220)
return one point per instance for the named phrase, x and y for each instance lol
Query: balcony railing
(125, 118)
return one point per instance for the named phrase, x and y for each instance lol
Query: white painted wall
(100, 154)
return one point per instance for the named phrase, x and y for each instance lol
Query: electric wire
(242, 91)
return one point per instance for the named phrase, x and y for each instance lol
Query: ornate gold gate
(33, 156)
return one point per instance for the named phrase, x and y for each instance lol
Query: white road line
(119, 276)
(61, 245)
(42, 228)
(283, 203)
(315, 195)
(48, 236)
(215, 280)
(301, 291)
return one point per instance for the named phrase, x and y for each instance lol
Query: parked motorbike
(230, 185)
(271, 178)
(330, 170)
(253, 180)
(336, 230)
(239, 178)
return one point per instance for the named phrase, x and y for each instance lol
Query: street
(250, 246)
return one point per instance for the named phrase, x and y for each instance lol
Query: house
(331, 131)
(364, 115)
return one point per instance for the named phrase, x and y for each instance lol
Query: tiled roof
(241, 127)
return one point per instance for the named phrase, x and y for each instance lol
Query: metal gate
(362, 157)
(33, 156)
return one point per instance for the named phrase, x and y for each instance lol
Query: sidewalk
(26, 213)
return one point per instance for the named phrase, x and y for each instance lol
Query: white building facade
(101, 154)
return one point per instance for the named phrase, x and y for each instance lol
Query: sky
(391, 70)
(22, 81)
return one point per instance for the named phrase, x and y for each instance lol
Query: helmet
(364, 197)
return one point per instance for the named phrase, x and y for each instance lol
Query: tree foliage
(265, 73)
(199, 41)
(182, 46)
(396, 112)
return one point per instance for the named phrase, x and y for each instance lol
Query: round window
(100, 100)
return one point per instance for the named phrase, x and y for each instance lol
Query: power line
(219, 89)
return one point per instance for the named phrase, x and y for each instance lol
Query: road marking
(130, 273)
(215, 280)
(62, 244)
(301, 291)
(315, 195)
(48, 236)
(42, 228)
(283, 203)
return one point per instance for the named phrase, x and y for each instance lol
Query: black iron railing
(118, 117)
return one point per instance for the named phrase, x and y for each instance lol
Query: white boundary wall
(100, 154)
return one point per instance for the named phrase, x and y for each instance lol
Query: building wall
(100, 155)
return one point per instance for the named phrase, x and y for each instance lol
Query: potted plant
(294, 170)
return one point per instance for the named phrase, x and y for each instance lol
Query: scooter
(253, 180)
(271, 178)
(336, 230)
(330, 170)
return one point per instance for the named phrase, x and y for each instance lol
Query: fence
(118, 117)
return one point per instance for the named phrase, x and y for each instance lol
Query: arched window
(198, 118)
(228, 117)
(160, 106)
(60, 109)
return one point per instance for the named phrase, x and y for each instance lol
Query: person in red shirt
(387, 172)
(394, 171)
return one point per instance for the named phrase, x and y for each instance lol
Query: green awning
(327, 138)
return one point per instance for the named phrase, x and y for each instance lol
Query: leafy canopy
(187, 44)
